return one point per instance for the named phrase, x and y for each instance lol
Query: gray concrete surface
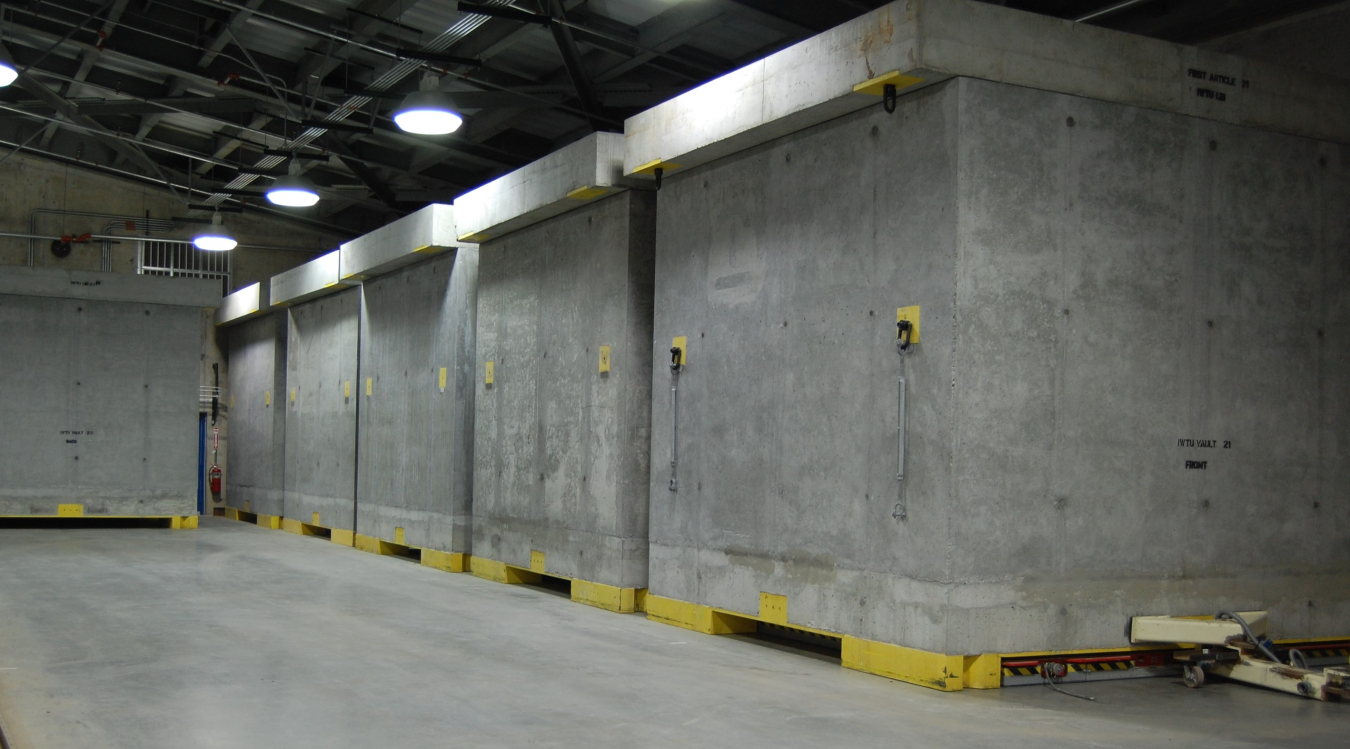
(930, 41)
(560, 448)
(783, 267)
(408, 240)
(255, 473)
(321, 374)
(544, 188)
(233, 636)
(1097, 283)
(416, 447)
(316, 278)
(98, 403)
(1313, 41)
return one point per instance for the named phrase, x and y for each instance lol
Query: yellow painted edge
(341, 537)
(651, 166)
(367, 543)
(608, 597)
(982, 671)
(500, 572)
(104, 517)
(587, 192)
(272, 522)
(474, 237)
(696, 617)
(933, 670)
(449, 561)
(877, 86)
(429, 248)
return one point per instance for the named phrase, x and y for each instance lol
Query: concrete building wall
(784, 266)
(256, 467)
(33, 183)
(416, 446)
(321, 409)
(1097, 283)
(98, 402)
(1131, 286)
(561, 449)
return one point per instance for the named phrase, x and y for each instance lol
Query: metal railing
(156, 258)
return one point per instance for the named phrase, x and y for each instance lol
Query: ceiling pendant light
(293, 190)
(216, 238)
(8, 72)
(428, 111)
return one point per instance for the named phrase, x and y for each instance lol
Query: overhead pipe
(1108, 10)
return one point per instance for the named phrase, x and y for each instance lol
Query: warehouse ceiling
(207, 96)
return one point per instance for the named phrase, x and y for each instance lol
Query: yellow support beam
(696, 617)
(934, 670)
(449, 561)
(608, 597)
(500, 572)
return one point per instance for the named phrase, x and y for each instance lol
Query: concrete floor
(234, 636)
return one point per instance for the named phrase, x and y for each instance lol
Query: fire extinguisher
(215, 479)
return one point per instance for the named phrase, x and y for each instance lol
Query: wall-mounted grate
(183, 260)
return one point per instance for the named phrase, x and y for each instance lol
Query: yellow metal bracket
(587, 192)
(877, 86)
(910, 315)
(649, 169)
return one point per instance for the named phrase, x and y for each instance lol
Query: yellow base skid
(449, 561)
(170, 521)
(947, 673)
(600, 595)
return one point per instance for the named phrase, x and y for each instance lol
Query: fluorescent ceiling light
(293, 190)
(216, 238)
(8, 72)
(428, 111)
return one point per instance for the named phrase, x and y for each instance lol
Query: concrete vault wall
(321, 403)
(561, 448)
(258, 398)
(416, 447)
(783, 267)
(1151, 351)
(1103, 289)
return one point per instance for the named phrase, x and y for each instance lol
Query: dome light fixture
(428, 111)
(215, 238)
(293, 190)
(8, 72)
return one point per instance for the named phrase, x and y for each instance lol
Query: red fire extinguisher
(215, 479)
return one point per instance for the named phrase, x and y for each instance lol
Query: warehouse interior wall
(33, 184)
(98, 395)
